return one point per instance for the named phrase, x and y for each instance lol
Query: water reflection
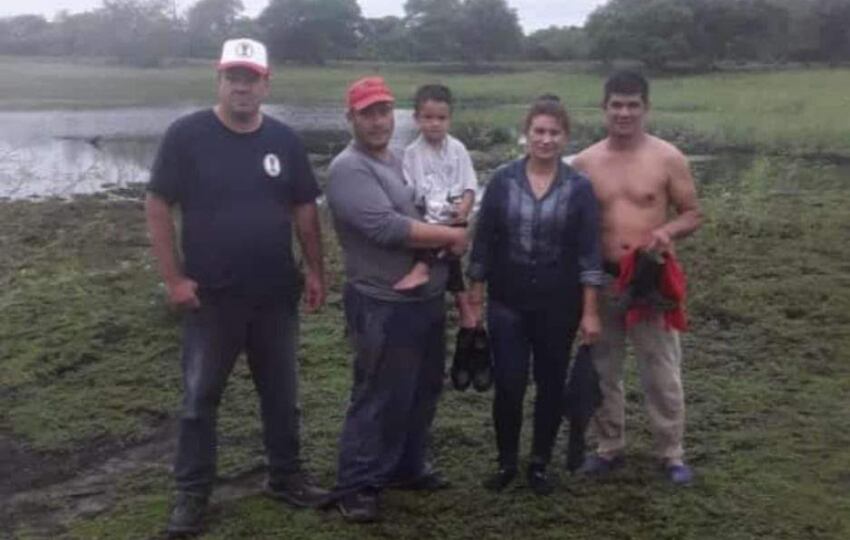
(63, 167)
(64, 153)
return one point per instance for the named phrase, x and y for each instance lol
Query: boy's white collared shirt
(439, 176)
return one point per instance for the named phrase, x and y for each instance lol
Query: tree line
(660, 33)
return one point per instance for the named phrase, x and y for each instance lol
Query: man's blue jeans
(399, 357)
(213, 337)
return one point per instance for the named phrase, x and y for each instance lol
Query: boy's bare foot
(418, 276)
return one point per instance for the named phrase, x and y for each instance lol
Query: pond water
(62, 153)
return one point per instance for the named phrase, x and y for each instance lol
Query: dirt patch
(25, 469)
(46, 491)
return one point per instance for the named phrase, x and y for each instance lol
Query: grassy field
(89, 367)
(790, 112)
(90, 378)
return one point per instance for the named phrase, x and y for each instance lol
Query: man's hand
(589, 328)
(459, 243)
(660, 241)
(462, 208)
(183, 293)
(314, 291)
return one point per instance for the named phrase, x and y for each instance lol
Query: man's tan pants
(659, 356)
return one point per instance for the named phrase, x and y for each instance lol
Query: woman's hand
(589, 328)
(183, 293)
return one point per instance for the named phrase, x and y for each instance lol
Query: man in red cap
(240, 179)
(397, 336)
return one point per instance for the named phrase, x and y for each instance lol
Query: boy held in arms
(440, 170)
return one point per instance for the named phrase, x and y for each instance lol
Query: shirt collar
(565, 174)
(420, 140)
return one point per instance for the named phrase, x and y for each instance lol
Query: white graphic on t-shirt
(439, 188)
(271, 164)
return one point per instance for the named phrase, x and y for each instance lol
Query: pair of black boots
(472, 363)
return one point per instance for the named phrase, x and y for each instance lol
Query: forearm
(428, 236)
(309, 236)
(684, 224)
(485, 244)
(590, 247)
(590, 301)
(161, 232)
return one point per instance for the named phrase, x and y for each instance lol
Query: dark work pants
(399, 356)
(516, 336)
(213, 336)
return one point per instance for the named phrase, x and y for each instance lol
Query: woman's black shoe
(538, 480)
(500, 479)
(461, 372)
(482, 361)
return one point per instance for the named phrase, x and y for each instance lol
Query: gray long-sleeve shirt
(373, 207)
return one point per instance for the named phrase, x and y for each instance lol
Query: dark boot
(187, 516)
(645, 286)
(298, 490)
(538, 480)
(461, 372)
(482, 361)
(430, 481)
(359, 506)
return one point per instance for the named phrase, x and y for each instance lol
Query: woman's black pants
(517, 336)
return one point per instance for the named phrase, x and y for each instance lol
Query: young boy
(439, 168)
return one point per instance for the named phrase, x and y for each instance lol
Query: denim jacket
(535, 253)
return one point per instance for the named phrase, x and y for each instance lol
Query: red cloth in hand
(673, 287)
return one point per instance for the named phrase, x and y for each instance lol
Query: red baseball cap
(368, 91)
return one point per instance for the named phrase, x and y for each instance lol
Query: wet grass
(89, 360)
(798, 112)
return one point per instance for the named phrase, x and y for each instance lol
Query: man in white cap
(240, 179)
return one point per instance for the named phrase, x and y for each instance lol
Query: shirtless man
(638, 178)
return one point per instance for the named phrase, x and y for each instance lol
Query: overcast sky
(533, 14)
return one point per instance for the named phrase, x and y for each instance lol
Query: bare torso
(636, 187)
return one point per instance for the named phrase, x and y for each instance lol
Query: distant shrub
(477, 135)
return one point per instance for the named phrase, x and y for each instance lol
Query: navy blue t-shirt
(235, 192)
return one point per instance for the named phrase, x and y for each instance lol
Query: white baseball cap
(244, 52)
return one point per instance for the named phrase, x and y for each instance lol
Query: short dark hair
(547, 105)
(432, 92)
(627, 82)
